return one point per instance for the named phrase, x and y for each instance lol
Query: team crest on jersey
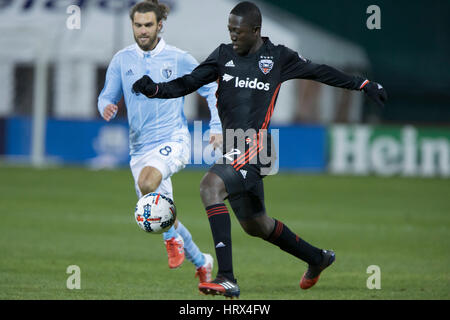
(265, 64)
(166, 71)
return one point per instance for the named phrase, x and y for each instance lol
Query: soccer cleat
(220, 286)
(175, 251)
(204, 272)
(311, 276)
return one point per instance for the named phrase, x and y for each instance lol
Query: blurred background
(52, 71)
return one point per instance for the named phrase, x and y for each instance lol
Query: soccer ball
(155, 213)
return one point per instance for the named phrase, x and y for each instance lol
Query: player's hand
(146, 86)
(376, 92)
(216, 140)
(110, 112)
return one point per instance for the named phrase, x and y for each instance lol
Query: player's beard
(147, 44)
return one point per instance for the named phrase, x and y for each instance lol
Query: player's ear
(159, 26)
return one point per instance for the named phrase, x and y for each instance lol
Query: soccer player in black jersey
(250, 71)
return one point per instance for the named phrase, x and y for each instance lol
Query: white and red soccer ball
(155, 213)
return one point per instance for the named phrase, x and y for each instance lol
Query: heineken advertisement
(383, 150)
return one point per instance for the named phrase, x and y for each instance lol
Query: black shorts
(245, 189)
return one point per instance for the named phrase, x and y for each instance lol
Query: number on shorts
(165, 151)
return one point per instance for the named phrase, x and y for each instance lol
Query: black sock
(291, 243)
(220, 223)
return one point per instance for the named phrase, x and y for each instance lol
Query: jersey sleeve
(204, 73)
(208, 91)
(112, 91)
(297, 67)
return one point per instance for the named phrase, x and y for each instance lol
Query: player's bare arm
(216, 139)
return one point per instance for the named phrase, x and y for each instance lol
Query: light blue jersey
(153, 121)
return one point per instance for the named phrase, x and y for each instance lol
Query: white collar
(159, 47)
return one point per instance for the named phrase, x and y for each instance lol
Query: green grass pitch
(53, 218)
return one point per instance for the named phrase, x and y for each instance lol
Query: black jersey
(248, 87)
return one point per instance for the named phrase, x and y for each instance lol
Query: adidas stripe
(227, 285)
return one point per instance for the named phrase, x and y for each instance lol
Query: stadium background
(54, 145)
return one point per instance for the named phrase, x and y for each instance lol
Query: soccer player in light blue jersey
(159, 138)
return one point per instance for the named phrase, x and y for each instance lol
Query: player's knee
(259, 227)
(149, 180)
(212, 189)
(147, 186)
(207, 190)
(253, 230)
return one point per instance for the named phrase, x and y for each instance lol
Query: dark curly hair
(161, 10)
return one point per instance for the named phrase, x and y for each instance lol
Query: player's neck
(154, 44)
(256, 47)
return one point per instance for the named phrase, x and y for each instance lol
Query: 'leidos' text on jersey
(252, 84)
(247, 93)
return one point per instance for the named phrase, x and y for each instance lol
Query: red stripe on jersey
(271, 106)
(239, 159)
(364, 84)
(244, 157)
(254, 152)
(259, 145)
